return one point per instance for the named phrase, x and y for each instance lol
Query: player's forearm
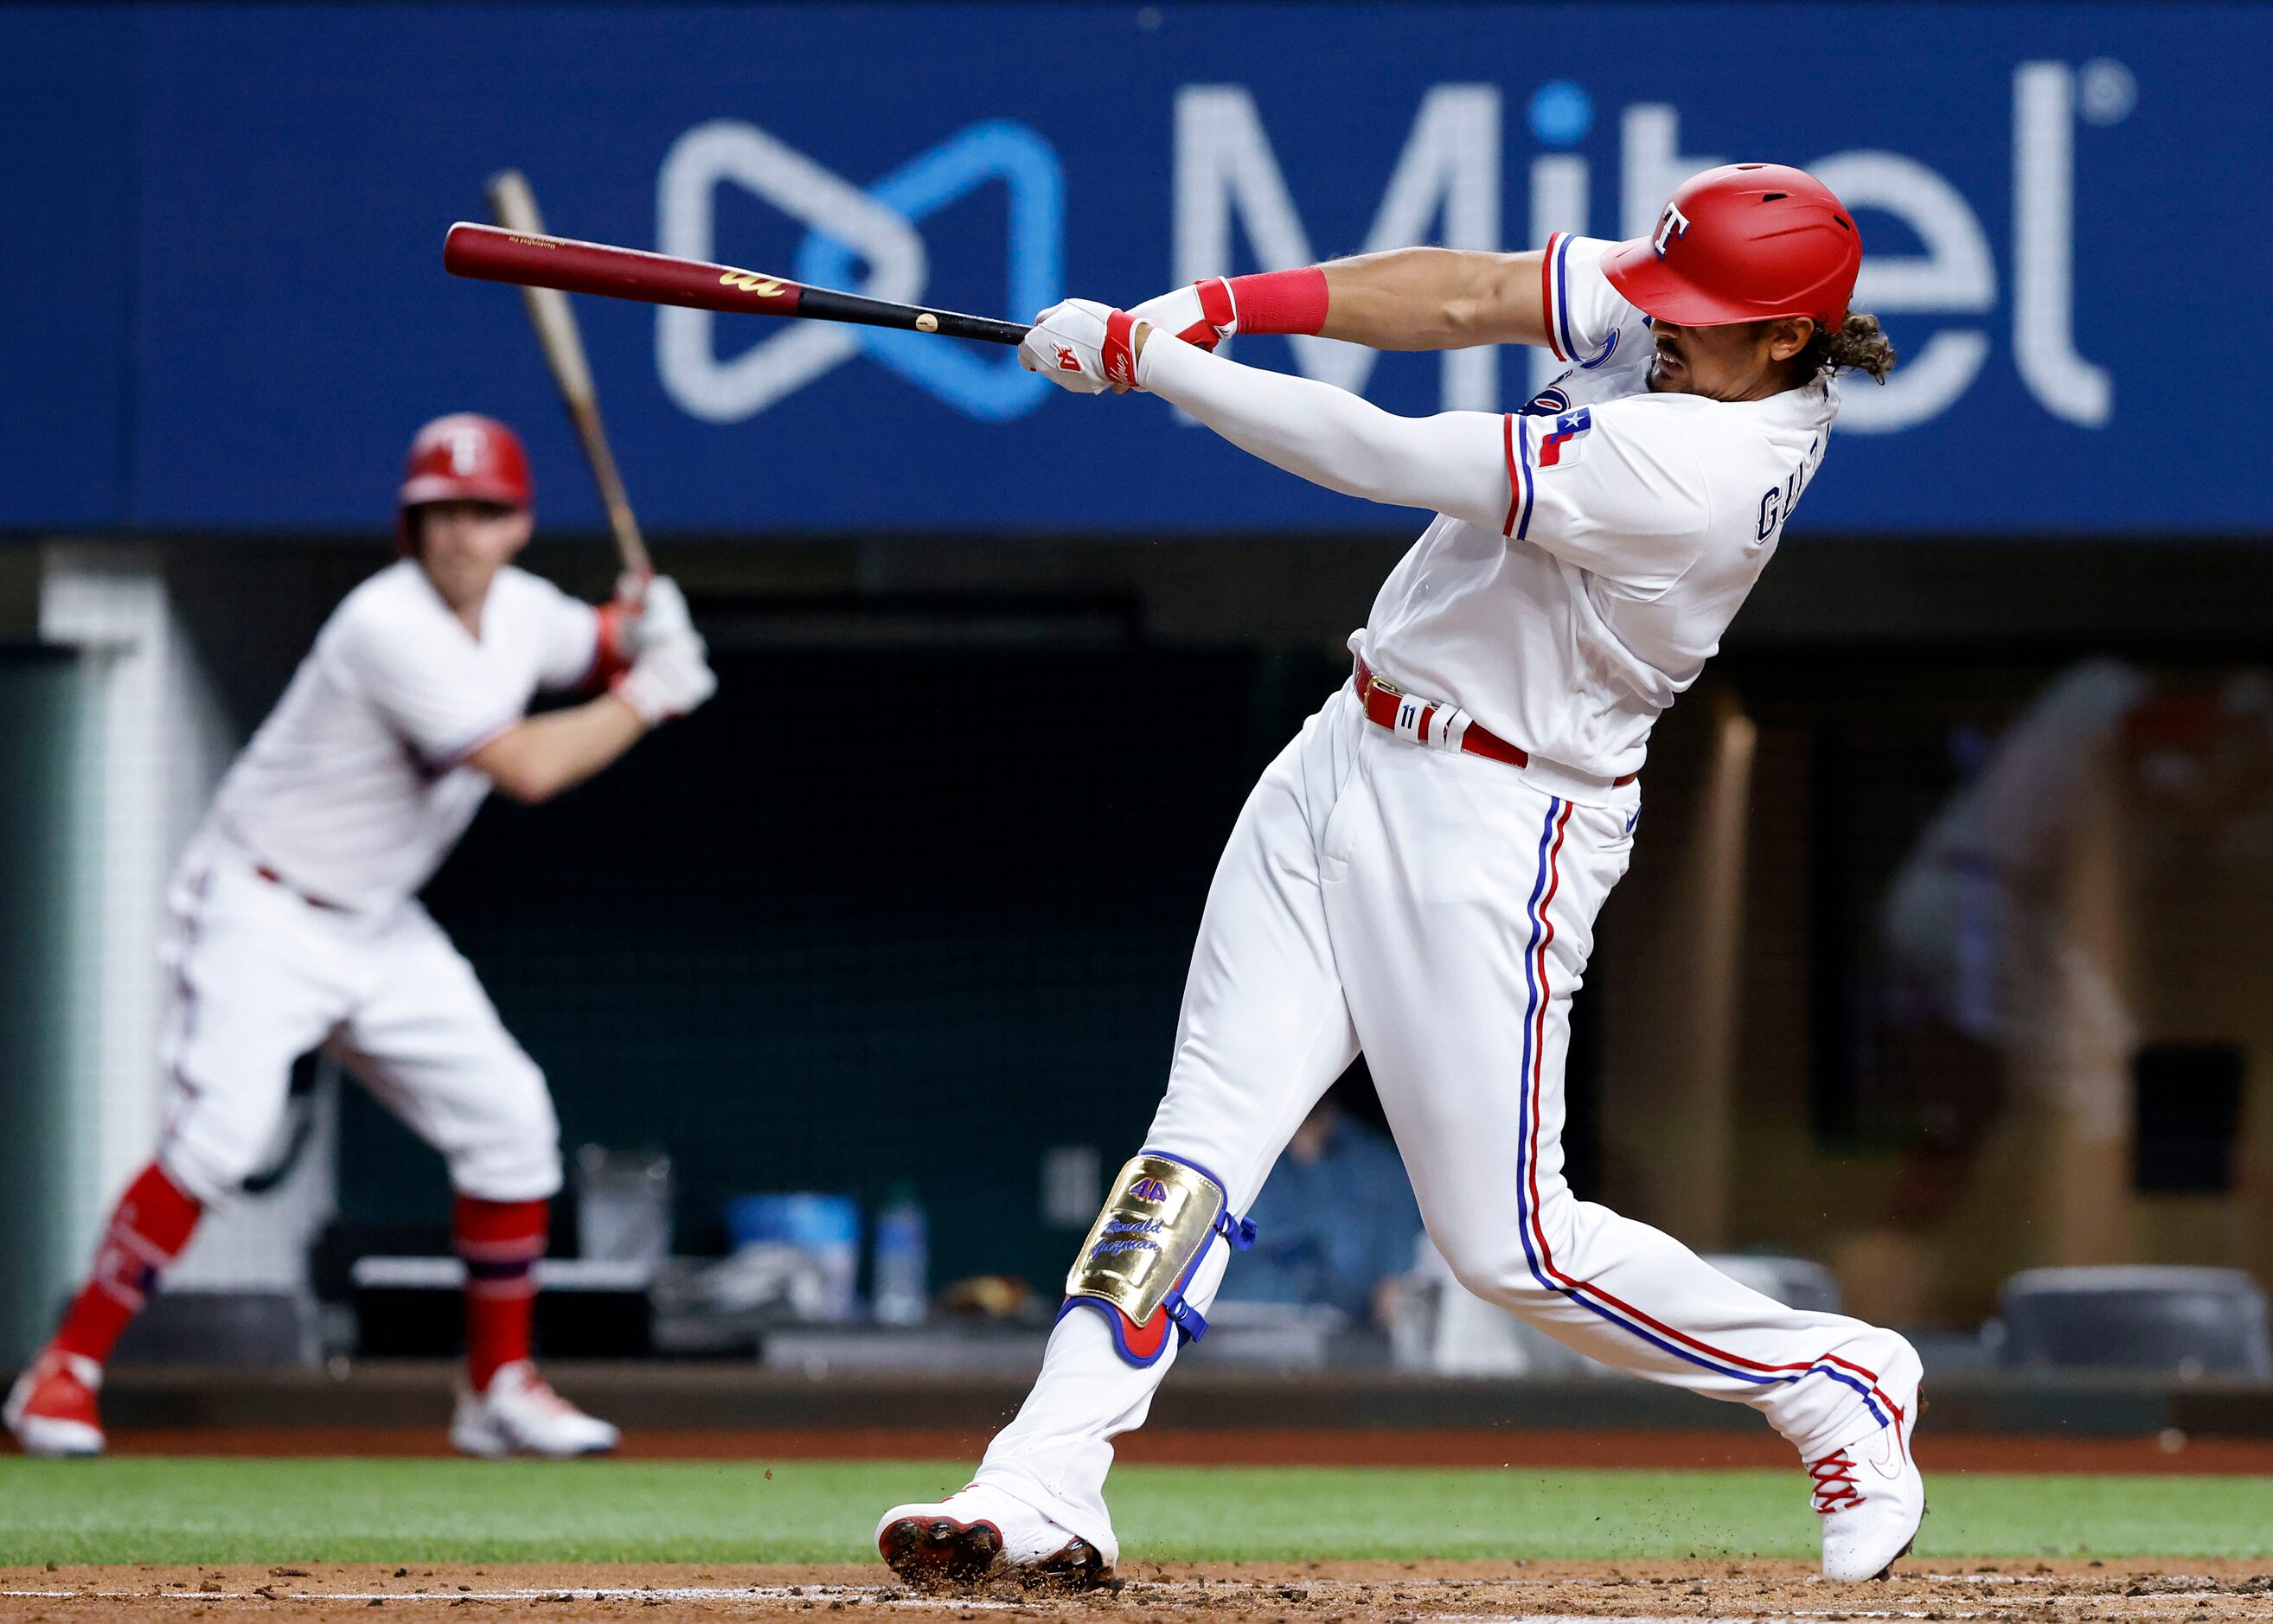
(1452, 463)
(1435, 299)
(542, 756)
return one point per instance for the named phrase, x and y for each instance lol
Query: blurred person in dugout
(294, 923)
(2102, 874)
(1336, 1221)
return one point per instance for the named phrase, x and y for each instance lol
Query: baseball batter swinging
(1417, 875)
(296, 924)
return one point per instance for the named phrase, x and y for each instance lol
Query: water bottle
(903, 1260)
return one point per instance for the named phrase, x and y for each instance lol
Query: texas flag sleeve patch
(1561, 444)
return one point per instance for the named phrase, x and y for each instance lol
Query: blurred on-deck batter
(295, 923)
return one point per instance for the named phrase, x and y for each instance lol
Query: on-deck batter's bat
(533, 260)
(514, 204)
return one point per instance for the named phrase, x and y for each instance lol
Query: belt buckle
(1373, 679)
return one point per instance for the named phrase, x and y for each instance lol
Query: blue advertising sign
(225, 308)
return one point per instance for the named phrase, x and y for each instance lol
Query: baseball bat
(532, 259)
(514, 204)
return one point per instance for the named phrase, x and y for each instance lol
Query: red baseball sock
(501, 1242)
(149, 1227)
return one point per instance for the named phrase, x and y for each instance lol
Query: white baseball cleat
(51, 1408)
(1871, 1499)
(519, 1414)
(980, 1533)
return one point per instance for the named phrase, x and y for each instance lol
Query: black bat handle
(827, 304)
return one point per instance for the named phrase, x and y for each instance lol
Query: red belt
(1386, 704)
(275, 878)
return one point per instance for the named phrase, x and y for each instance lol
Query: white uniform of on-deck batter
(294, 923)
(1436, 908)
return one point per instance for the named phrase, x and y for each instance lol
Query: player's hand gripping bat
(514, 204)
(535, 260)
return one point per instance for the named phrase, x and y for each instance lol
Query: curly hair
(1857, 347)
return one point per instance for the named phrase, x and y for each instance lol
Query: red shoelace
(1835, 1483)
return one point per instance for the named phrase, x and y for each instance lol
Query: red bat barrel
(527, 260)
(493, 254)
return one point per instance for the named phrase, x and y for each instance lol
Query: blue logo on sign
(875, 230)
(1560, 113)
(1028, 168)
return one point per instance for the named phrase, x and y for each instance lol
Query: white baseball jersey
(1635, 526)
(355, 788)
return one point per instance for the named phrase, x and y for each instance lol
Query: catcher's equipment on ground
(1145, 1248)
(1746, 242)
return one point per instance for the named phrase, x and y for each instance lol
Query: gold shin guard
(1145, 1248)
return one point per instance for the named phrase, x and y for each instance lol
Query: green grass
(172, 1510)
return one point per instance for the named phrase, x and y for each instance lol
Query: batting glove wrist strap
(1120, 352)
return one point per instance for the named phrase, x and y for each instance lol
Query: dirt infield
(1540, 1449)
(1305, 1593)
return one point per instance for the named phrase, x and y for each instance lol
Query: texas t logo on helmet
(1671, 224)
(465, 457)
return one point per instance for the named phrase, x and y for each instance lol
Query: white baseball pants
(1436, 910)
(262, 975)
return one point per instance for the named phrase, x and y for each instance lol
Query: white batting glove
(1083, 346)
(1204, 314)
(656, 613)
(669, 679)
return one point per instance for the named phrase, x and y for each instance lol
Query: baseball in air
(926, 323)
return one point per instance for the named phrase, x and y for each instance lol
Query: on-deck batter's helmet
(464, 457)
(1747, 241)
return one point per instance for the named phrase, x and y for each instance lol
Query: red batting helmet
(464, 457)
(1745, 243)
